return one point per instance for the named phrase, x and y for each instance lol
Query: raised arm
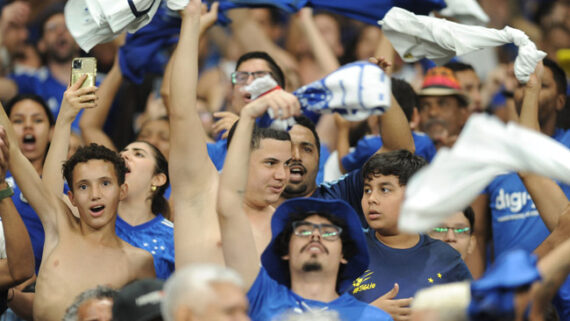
(93, 120)
(27, 178)
(19, 264)
(74, 99)
(237, 238)
(548, 197)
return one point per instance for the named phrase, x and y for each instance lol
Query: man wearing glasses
(457, 231)
(400, 263)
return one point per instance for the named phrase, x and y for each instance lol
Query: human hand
(535, 79)
(399, 309)
(76, 98)
(225, 122)
(382, 63)
(15, 14)
(282, 104)
(208, 17)
(193, 8)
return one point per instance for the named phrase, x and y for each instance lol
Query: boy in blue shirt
(412, 261)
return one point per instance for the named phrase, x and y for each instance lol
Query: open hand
(399, 309)
(225, 122)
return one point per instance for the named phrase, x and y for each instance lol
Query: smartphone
(84, 66)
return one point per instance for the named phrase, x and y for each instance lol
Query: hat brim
(445, 91)
(278, 269)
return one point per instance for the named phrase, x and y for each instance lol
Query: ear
(472, 244)
(123, 190)
(343, 260)
(560, 102)
(286, 257)
(71, 199)
(158, 179)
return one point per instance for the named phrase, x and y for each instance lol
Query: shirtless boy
(79, 253)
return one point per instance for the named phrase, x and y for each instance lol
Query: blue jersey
(368, 145)
(348, 188)
(43, 84)
(427, 263)
(31, 221)
(155, 236)
(268, 300)
(217, 152)
(515, 221)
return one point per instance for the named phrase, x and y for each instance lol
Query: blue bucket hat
(278, 269)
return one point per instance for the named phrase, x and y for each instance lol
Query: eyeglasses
(305, 229)
(459, 232)
(241, 77)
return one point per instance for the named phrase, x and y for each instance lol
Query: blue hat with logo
(278, 269)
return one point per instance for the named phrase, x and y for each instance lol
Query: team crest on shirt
(435, 279)
(361, 284)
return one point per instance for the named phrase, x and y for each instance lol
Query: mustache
(315, 242)
(297, 163)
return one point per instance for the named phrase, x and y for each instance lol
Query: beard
(312, 267)
(291, 191)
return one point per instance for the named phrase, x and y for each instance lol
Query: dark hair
(275, 69)
(161, 118)
(259, 134)
(47, 13)
(470, 216)
(558, 75)
(281, 245)
(457, 66)
(94, 151)
(306, 122)
(400, 163)
(159, 204)
(405, 96)
(38, 99)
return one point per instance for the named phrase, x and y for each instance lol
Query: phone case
(82, 66)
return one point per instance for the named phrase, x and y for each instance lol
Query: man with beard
(49, 82)
(304, 164)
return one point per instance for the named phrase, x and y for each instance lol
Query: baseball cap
(278, 269)
(440, 81)
(139, 301)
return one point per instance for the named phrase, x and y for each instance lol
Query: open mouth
(29, 139)
(296, 173)
(314, 247)
(97, 210)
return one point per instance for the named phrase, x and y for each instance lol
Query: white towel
(416, 37)
(466, 11)
(486, 148)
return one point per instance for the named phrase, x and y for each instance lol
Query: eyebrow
(135, 149)
(307, 144)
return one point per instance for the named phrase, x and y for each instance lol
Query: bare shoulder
(140, 262)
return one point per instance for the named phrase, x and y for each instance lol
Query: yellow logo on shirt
(358, 283)
(432, 280)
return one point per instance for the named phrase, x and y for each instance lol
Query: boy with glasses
(457, 231)
(400, 263)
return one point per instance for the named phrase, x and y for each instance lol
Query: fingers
(392, 293)
(79, 82)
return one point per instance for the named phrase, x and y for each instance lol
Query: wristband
(7, 192)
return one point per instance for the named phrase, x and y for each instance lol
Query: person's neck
(38, 165)
(318, 286)
(399, 240)
(105, 235)
(61, 71)
(135, 210)
(285, 197)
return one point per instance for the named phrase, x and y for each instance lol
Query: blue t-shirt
(427, 263)
(515, 221)
(155, 236)
(217, 152)
(268, 300)
(41, 83)
(368, 145)
(31, 221)
(349, 188)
